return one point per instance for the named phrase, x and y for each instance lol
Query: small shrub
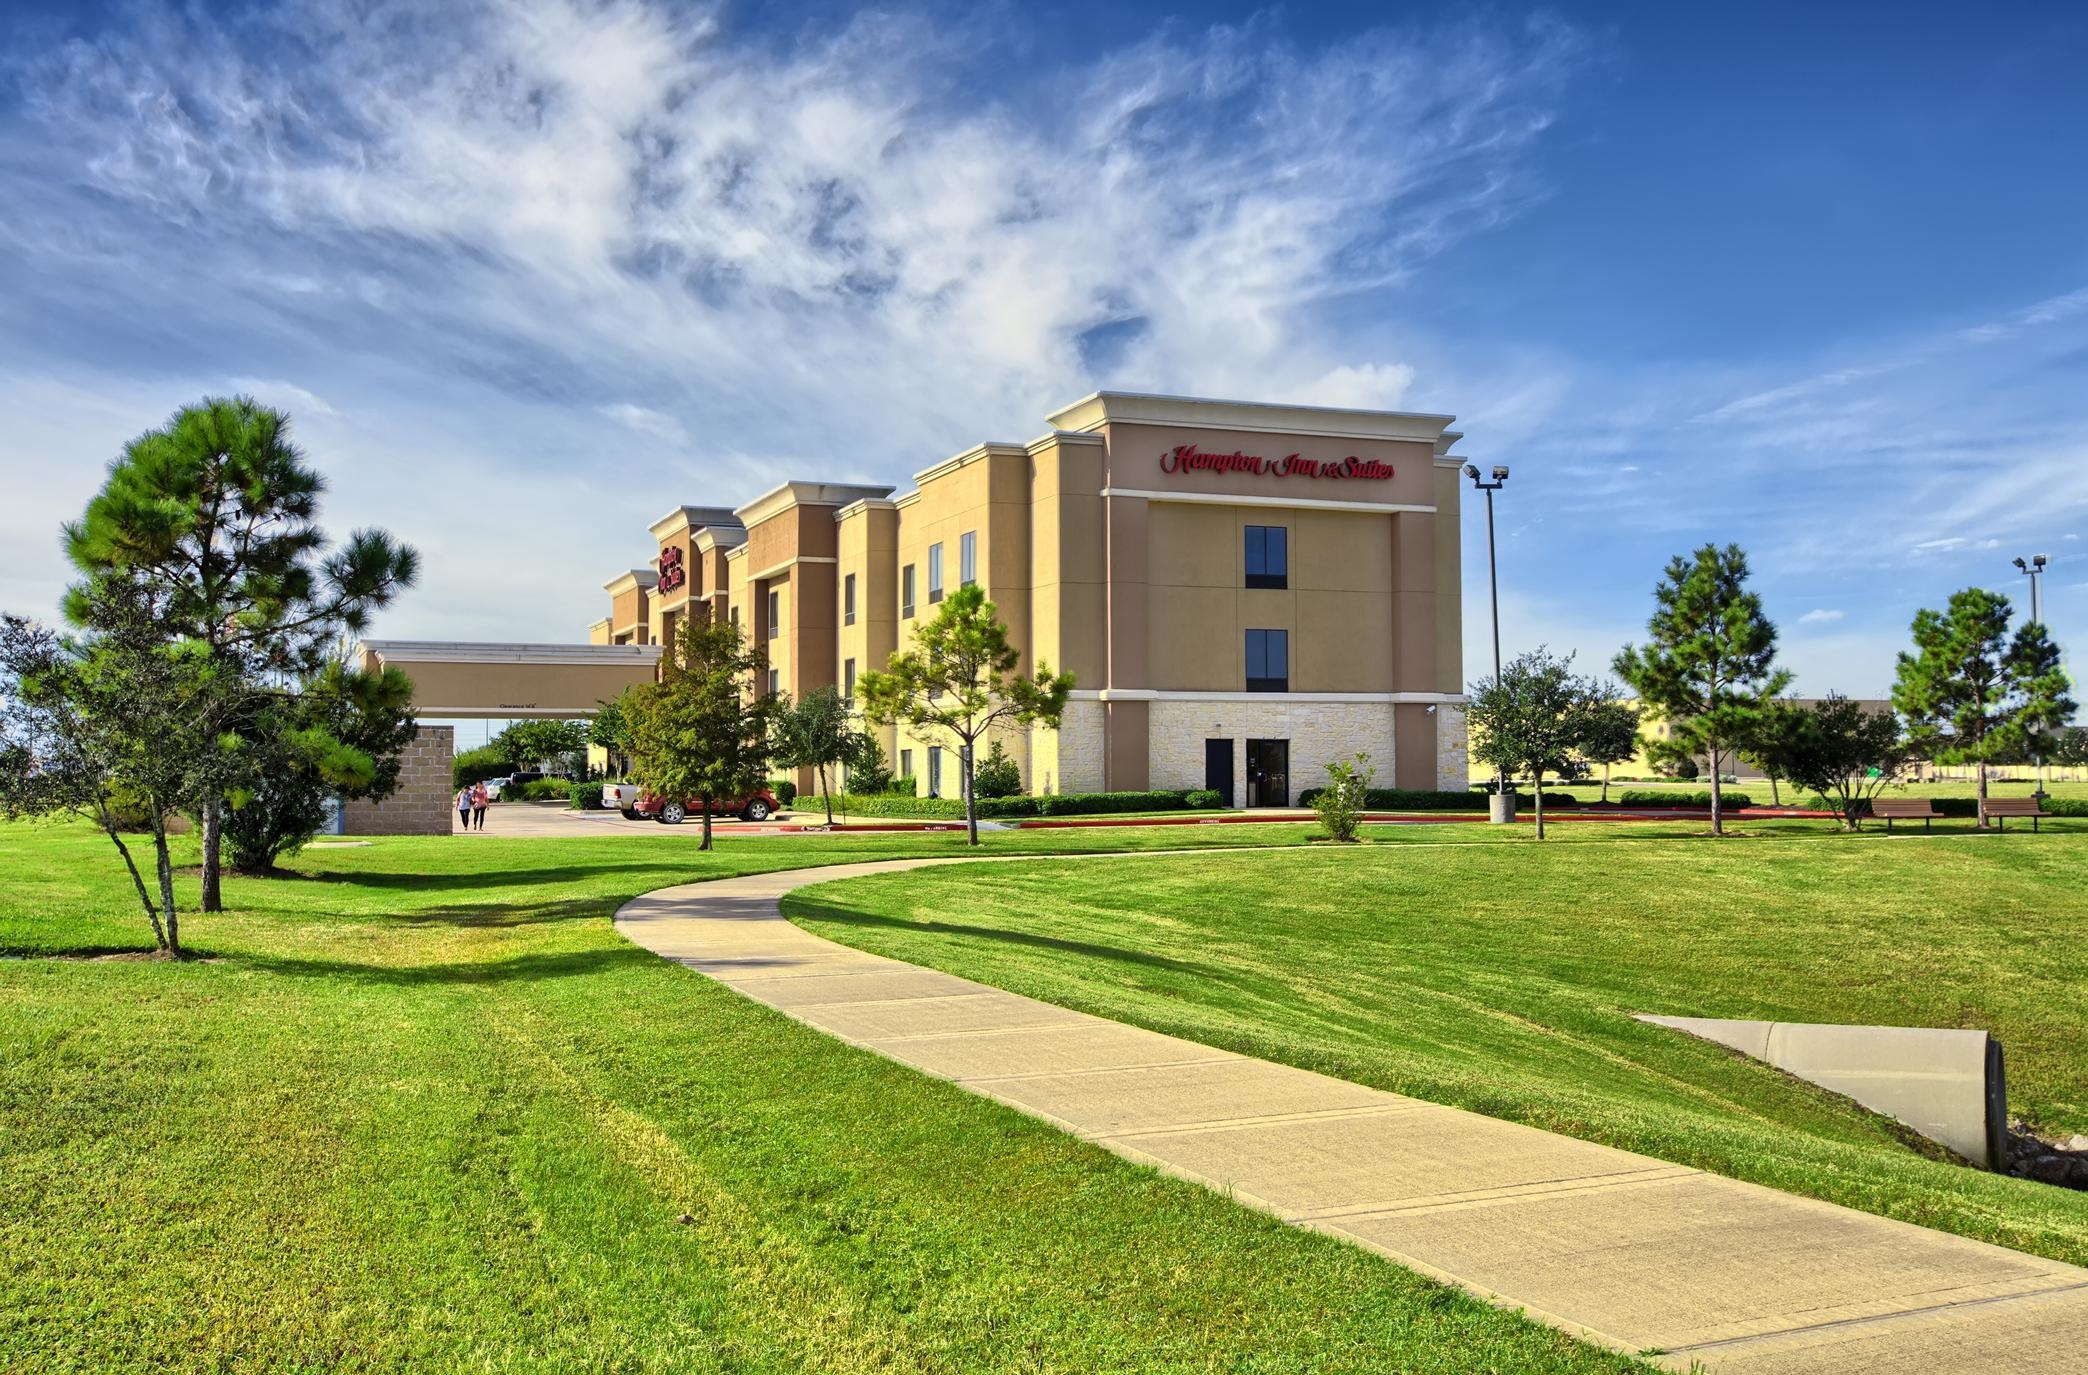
(784, 789)
(997, 775)
(905, 785)
(1340, 804)
(585, 797)
(1202, 798)
(1076, 804)
(869, 771)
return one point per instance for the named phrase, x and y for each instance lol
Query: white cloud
(1936, 545)
(286, 396)
(1821, 616)
(646, 421)
(1371, 386)
(849, 254)
(628, 187)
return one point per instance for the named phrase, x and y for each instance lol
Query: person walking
(464, 807)
(478, 806)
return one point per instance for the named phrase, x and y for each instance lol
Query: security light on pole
(1493, 585)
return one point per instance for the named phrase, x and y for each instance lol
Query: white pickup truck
(621, 797)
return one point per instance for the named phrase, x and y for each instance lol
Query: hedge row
(996, 808)
(1676, 797)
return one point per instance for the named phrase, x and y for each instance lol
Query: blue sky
(1810, 278)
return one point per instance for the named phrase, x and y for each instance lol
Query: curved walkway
(1633, 1252)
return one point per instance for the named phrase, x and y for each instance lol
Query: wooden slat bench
(2001, 808)
(1891, 809)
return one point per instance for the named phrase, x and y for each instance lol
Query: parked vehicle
(493, 787)
(758, 805)
(621, 797)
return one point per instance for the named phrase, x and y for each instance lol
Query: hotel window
(934, 574)
(775, 613)
(848, 600)
(1268, 556)
(935, 771)
(848, 680)
(906, 765)
(735, 618)
(968, 558)
(1268, 661)
(906, 591)
(775, 681)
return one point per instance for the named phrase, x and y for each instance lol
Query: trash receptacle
(1500, 808)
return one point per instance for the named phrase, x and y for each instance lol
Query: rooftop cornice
(856, 508)
(1045, 441)
(968, 457)
(688, 518)
(644, 579)
(1191, 412)
(712, 536)
(780, 499)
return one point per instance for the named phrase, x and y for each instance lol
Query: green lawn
(421, 1108)
(1474, 967)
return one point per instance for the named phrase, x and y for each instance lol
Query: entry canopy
(499, 681)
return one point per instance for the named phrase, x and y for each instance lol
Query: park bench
(1891, 809)
(1999, 809)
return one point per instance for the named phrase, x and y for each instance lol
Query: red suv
(758, 805)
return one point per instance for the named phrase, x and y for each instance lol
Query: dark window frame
(1267, 567)
(1258, 657)
(906, 593)
(935, 573)
(848, 599)
(967, 558)
(775, 613)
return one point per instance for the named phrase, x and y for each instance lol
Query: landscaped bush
(539, 790)
(1077, 804)
(997, 775)
(905, 785)
(784, 789)
(476, 766)
(1201, 798)
(902, 805)
(1678, 797)
(585, 797)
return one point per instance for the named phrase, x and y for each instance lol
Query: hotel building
(1242, 592)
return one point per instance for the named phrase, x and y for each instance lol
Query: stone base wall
(1069, 759)
(421, 805)
(1453, 750)
(1320, 733)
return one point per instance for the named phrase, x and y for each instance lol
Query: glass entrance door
(1268, 773)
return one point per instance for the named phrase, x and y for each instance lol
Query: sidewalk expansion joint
(1507, 1193)
(1897, 1315)
(1277, 1119)
(1096, 1069)
(875, 1043)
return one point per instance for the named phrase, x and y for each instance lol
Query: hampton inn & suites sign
(1187, 458)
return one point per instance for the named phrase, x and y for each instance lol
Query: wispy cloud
(1822, 616)
(637, 197)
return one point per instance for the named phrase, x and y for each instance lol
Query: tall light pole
(1493, 587)
(2034, 570)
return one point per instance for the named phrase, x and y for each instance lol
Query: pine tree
(210, 522)
(1972, 692)
(1709, 667)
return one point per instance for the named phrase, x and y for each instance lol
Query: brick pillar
(421, 804)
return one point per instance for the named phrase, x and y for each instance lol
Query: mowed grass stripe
(1501, 977)
(423, 1109)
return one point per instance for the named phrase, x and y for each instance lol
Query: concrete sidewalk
(1623, 1249)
